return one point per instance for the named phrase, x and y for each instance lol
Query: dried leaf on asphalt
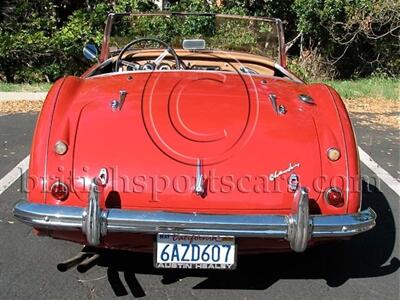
(9, 107)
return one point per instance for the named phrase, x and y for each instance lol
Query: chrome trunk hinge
(279, 109)
(199, 183)
(307, 99)
(272, 97)
(117, 104)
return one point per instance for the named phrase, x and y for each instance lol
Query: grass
(374, 87)
(24, 87)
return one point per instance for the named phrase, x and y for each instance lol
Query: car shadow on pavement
(366, 255)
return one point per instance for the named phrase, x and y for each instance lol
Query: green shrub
(42, 40)
(358, 37)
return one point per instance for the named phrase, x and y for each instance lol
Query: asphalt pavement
(366, 267)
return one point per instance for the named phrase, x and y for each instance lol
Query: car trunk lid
(175, 126)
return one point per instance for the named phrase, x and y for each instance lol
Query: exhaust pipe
(87, 263)
(69, 263)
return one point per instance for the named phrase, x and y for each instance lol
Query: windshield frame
(105, 51)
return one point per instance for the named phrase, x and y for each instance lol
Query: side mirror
(90, 52)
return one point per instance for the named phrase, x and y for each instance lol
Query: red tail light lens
(59, 190)
(334, 197)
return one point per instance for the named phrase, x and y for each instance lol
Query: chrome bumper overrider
(298, 227)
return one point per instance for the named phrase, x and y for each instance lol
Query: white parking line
(14, 174)
(379, 171)
(367, 160)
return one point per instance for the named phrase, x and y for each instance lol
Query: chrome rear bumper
(298, 227)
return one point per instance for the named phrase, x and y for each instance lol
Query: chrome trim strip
(122, 96)
(54, 217)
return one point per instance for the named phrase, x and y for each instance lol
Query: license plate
(192, 251)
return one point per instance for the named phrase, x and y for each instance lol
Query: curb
(22, 96)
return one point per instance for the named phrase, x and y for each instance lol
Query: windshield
(259, 36)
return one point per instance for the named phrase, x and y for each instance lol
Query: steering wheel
(156, 62)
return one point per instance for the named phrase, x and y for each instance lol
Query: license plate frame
(207, 243)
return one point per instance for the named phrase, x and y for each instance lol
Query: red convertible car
(190, 139)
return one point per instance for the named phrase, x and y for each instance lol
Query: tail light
(59, 190)
(334, 197)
